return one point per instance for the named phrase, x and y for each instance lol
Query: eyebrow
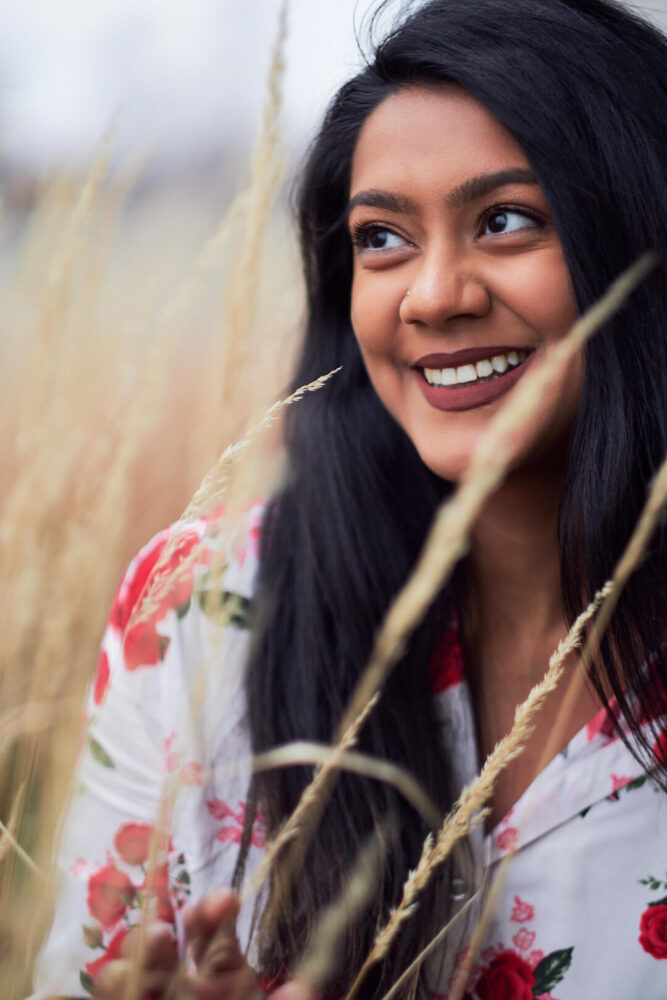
(470, 190)
(477, 187)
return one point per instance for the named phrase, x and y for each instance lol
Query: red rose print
(132, 841)
(101, 678)
(131, 590)
(110, 892)
(619, 781)
(113, 951)
(508, 977)
(157, 883)
(602, 723)
(653, 930)
(445, 667)
(506, 840)
(143, 646)
(522, 911)
(660, 748)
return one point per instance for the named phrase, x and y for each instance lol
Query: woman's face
(459, 274)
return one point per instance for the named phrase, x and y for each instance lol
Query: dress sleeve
(103, 853)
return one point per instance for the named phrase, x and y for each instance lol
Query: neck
(514, 567)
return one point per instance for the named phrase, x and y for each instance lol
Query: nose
(444, 285)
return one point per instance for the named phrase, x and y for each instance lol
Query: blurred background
(151, 308)
(184, 81)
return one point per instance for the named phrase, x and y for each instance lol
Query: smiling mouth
(474, 372)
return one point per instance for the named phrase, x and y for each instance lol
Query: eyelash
(362, 230)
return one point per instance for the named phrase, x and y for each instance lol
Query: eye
(375, 238)
(508, 220)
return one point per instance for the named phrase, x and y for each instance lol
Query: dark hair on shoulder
(582, 86)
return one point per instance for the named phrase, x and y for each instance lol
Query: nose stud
(406, 294)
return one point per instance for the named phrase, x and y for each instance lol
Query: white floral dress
(582, 912)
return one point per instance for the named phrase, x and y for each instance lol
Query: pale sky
(186, 76)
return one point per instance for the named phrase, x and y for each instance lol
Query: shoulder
(200, 567)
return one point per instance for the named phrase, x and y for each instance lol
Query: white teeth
(487, 367)
(466, 373)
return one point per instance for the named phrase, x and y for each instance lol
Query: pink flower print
(524, 939)
(618, 782)
(233, 821)
(522, 911)
(535, 958)
(191, 773)
(80, 868)
(170, 759)
(507, 839)
(252, 544)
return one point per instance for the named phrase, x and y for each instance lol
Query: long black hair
(582, 87)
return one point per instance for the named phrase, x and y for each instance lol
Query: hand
(221, 973)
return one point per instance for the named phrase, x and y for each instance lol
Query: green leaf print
(86, 981)
(182, 609)
(100, 755)
(225, 607)
(551, 970)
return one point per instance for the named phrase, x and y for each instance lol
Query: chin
(450, 467)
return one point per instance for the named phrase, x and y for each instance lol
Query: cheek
(374, 310)
(539, 290)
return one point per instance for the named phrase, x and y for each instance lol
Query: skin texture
(476, 279)
(221, 973)
(469, 287)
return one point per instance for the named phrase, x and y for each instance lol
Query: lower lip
(472, 394)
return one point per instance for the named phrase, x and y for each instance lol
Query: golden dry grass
(139, 346)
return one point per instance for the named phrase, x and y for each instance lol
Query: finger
(295, 989)
(113, 981)
(240, 984)
(154, 946)
(210, 930)
(218, 907)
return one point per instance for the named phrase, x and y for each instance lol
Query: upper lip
(468, 356)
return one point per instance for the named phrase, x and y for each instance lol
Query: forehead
(423, 137)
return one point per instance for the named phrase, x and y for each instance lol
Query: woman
(471, 191)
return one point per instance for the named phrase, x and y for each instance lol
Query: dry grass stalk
(266, 172)
(304, 752)
(309, 803)
(324, 951)
(446, 543)
(469, 810)
(210, 492)
(610, 594)
(493, 455)
(481, 927)
(414, 966)
(8, 841)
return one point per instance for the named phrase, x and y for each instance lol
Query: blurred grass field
(123, 376)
